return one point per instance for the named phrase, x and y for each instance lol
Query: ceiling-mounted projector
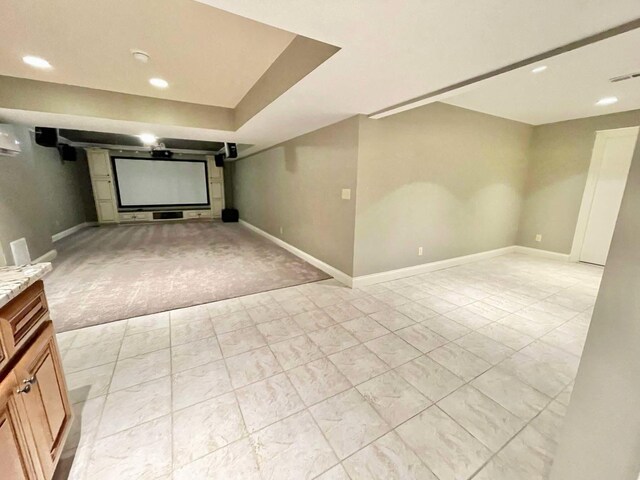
(159, 151)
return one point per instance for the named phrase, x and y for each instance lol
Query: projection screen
(161, 183)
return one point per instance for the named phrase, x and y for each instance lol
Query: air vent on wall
(628, 76)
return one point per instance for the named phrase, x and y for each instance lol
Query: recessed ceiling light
(539, 69)
(36, 62)
(159, 83)
(148, 138)
(607, 101)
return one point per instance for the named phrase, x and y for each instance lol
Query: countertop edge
(15, 280)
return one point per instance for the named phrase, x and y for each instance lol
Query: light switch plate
(346, 194)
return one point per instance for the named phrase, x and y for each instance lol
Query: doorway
(606, 181)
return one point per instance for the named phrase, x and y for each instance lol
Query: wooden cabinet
(44, 394)
(102, 184)
(15, 458)
(35, 412)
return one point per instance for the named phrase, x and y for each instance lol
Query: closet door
(612, 168)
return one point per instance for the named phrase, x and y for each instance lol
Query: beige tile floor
(455, 374)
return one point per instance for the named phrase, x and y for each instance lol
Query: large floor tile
(108, 332)
(460, 361)
(318, 380)
(204, 427)
(141, 368)
(486, 420)
(445, 327)
(191, 331)
(292, 449)
(393, 398)
(190, 355)
(393, 350)
(445, 447)
(265, 402)
(233, 462)
(140, 453)
(358, 364)
(76, 359)
(333, 339)
(388, 458)
(313, 320)
(365, 328)
(141, 343)
(240, 341)
(147, 323)
(199, 383)
(280, 330)
(514, 395)
(266, 313)
(296, 351)
(348, 422)
(485, 347)
(429, 377)
(252, 366)
(90, 383)
(230, 322)
(135, 405)
(421, 337)
(392, 319)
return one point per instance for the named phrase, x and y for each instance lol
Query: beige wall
(447, 179)
(560, 155)
(601, 432)
(39, 196)
(297, 186)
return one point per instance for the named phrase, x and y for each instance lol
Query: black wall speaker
(231, 150)
(219, 158)
(67, 152)
(230, 215)
(47, 137)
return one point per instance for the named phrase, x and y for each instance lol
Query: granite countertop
(14, 280)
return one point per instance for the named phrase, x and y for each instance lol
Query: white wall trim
(47, 257)
(374, 278)
(72, 230)
(536, 252)
(590, 187)
(380, 277)
(325, 267)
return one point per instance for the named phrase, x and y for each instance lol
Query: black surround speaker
(231, 150)
(67, 152)
(47, 137)
(219, 158)
(166, 154)
(230, 215)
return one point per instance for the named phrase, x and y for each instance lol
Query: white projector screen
(161, 183)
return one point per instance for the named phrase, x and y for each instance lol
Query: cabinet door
(106, 212)
(15, 461)
(99, 163)
(46, 401)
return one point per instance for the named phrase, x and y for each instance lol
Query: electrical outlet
(419, 251)
(346, 194)
(539, 237)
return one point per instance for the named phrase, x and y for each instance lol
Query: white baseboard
(47, 257)
(564, 257)
(72, 230)
(389, 275)
(325, 267)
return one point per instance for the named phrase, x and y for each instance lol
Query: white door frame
(590, 187)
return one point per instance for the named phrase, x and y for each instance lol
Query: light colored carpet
(104, 273)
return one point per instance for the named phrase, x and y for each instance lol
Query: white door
(610, 167)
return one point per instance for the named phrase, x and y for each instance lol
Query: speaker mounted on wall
(47, 137)
(231, 150)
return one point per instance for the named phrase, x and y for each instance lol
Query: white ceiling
(569, 88)
(207, 55)
(395, 51)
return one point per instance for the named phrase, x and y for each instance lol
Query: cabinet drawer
(135, 216)
(197, 214)
(23, 314)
